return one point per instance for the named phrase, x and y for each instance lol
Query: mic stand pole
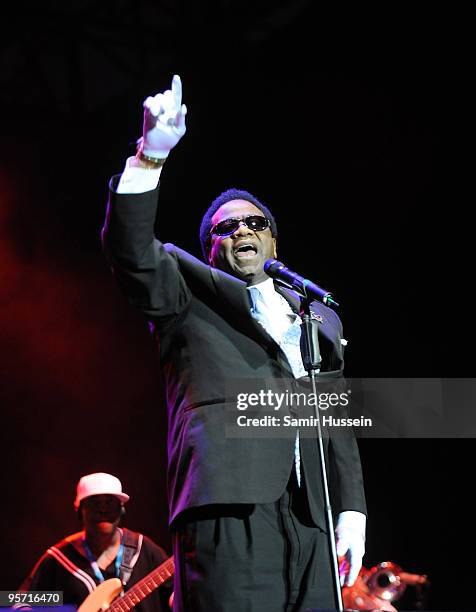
(311, 358)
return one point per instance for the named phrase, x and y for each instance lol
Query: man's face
(101, 513)
(244, 252)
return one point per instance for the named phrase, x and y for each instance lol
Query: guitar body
(102, 596)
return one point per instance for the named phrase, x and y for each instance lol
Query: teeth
(242, 247)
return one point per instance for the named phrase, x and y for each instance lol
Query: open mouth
(245, 251)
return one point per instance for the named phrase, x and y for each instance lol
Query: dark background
(341, 124)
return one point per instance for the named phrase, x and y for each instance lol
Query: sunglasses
(228, 226)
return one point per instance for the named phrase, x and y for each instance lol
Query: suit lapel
(290, 296)
(235, 298)
(319, 311)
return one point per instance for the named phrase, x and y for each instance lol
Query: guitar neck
(144, 587)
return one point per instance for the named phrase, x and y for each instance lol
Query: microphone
(304, 287)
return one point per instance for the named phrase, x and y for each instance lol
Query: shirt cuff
(135, 179)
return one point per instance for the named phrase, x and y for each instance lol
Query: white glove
(350, 543)
(164, 121)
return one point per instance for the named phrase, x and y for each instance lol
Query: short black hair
(223, 198)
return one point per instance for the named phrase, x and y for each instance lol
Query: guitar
(104, 596)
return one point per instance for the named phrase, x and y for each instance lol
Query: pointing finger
(177, 90)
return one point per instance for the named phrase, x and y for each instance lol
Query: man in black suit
(246, 512)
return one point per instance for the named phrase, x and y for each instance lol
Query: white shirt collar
(266, 288)
(272, 298)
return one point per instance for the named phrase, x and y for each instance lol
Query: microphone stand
(311, 358)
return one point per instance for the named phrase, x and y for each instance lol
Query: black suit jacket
(207, 337)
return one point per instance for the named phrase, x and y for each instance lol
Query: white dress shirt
(275, 314)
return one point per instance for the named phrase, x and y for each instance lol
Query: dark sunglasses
(228, 226)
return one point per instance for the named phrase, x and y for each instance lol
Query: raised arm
(146, 273)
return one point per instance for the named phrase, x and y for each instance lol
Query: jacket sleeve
(147, 274)
(346, 473)
(344, 456)
(42, 577)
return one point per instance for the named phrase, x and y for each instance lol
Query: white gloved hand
(164, 121)
(350, 543)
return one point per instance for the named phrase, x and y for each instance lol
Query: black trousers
(247, 558)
